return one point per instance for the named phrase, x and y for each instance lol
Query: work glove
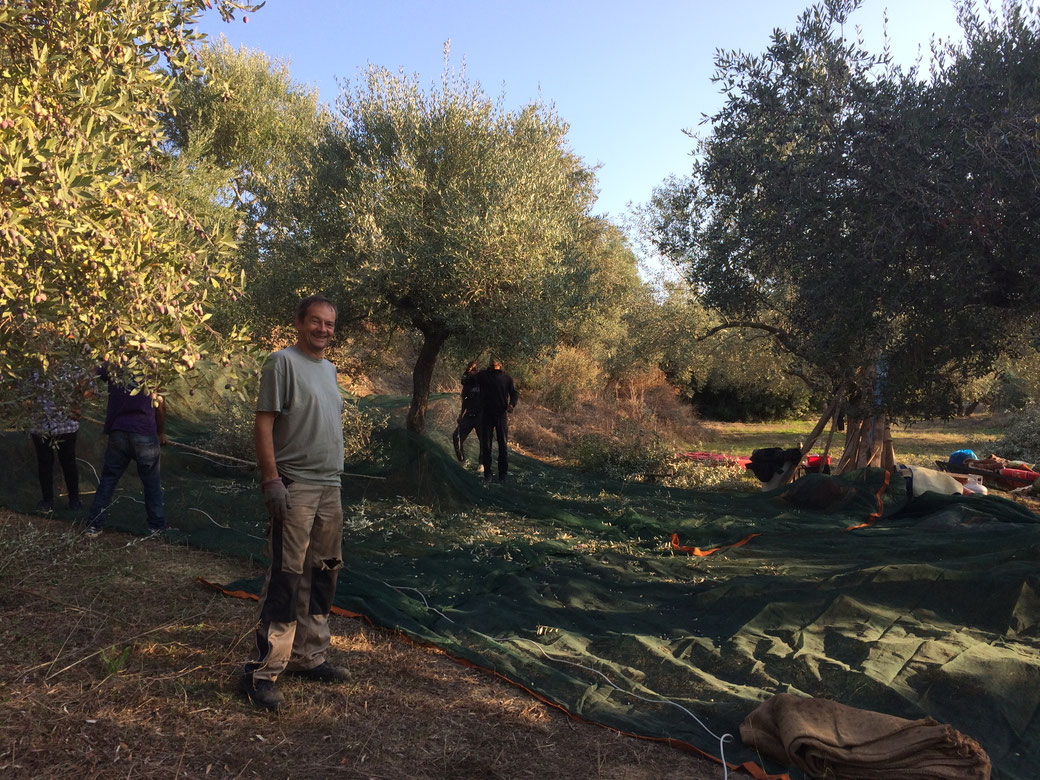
(276, 497)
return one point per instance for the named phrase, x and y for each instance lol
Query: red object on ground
(1025, 475)
(716, 458)
(816, 462)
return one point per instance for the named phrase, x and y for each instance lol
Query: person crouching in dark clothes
(498, 398)
(469, 416)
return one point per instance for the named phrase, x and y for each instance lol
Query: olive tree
(439, 210)
(880, 226)
(247, 133)
(98, 252)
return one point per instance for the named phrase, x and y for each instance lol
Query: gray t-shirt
(308, 429)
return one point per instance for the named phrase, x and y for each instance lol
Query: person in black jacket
(498, 398)
(469, 416)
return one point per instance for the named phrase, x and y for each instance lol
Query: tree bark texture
(868, 442)
(828, 415)
(830, 433)
(422, 375)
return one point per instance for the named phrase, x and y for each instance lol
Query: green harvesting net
(599, 596)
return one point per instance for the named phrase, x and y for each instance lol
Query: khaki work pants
(306, 556)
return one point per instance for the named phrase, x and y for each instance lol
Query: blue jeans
(122, 448)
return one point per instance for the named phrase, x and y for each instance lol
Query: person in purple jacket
(136, 430)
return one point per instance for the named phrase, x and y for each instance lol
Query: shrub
(736, 401)
(638, 455)
(685, 473)
(1011, 392)
(231, 429)
(1022, 439)
(570, 377)
(358, 426)
(630, 456)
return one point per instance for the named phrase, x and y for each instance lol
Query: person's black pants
(496, 425)
(467, 424)
(64, 445)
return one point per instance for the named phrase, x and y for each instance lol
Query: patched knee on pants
(323, 586)
(280, 601)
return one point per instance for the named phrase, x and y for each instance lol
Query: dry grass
(918, 443)
(548, 433)
(116, 664)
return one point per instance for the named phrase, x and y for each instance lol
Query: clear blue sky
(627, 76)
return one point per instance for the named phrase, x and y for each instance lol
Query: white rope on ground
(723, 739)
(225, 527)
(138, 539)
(96, 477)
(399, 588)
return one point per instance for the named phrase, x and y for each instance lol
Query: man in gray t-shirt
(299, 447)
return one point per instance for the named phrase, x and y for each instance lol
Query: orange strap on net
(880, 506)
(701, 553)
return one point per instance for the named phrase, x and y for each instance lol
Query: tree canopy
(247, 132)
(880, 224)
(98, 252)
(440, 210)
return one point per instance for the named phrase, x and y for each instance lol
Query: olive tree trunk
(422, 375)
(868, 440)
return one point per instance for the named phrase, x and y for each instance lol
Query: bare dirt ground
(115, 663)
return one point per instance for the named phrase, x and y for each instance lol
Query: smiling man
(299, 447)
